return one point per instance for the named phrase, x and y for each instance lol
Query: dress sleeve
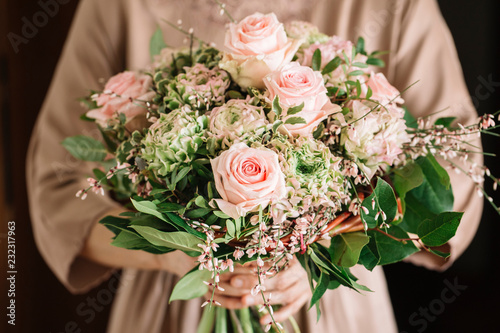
(61, 222)
(425, 52)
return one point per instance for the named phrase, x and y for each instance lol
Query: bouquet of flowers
(287, 144)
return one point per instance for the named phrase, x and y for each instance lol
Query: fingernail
(249, 300)
(237, 282)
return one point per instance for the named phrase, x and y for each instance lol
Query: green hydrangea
(312, 171)
(174, 140)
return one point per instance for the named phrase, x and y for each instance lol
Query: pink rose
(246, 179)
(257, 46)
(383, 91)
(117, 95)
(295, 84)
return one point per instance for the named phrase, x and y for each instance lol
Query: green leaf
(99, 174)
(176, 220)
(231, 228)
(318, 131)
(375, 62)
(276, 106)
(178, 240)
(191, 285)
(444, 255)
(170, 207)
(391, 250)
(115, 224)
(233, 94)
(201, 202)
(181, 174)
(85, 148)
(445, 121)
(148, 207)
(332, 65)
(358, 89)
(440, 230)
(407, 178)
(220, 214)
(316, 60)
(319, 291)
(385, 200)
(359, 65)
(411, 122)
(294, 110)
(276, 125)
(156, 43)
(346, 248)
(360, 45)
(369, 256)
(369, 93)
(132, 241)
(356, 73)
(431, 167)
(197, 213)
(433, 197)
(295, 120)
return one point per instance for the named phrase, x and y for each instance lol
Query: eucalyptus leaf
(170, 207)
(191, 285)
(133, 241)
(197, 213)
(179, 240)
(85, 148)
(148, 207)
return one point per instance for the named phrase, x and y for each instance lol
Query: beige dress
(112, 35)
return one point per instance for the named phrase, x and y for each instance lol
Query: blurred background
(42, 303)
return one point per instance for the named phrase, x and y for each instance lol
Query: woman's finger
(286, 311)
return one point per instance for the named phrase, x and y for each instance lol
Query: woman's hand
(289, 288)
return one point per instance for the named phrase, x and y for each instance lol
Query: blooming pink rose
(383, 91)
(295, 84)
(257, 46)
(246, 179)
(117, 95)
